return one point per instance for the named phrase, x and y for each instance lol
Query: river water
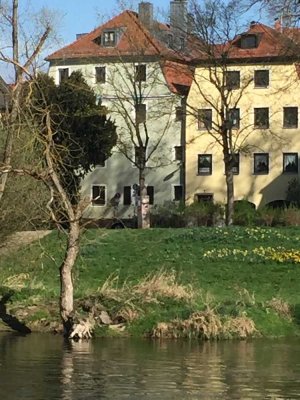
(38, 367)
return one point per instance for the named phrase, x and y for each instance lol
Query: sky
(81, 16)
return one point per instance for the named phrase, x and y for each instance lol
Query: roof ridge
(145, 31)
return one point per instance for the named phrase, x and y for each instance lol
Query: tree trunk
(66, 281)
(230, 196)
(11, 128)
(143, 209)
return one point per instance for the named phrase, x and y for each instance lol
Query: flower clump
(277, 254)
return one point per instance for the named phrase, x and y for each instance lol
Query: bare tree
(286, 11)
(22, 65)
(216, 24)
(140, 98)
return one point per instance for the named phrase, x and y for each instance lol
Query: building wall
(164, 131)
(283, 91)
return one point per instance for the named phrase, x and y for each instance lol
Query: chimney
(278, 25)
(178, 16)
(146, 14)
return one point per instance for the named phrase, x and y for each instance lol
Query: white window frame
(105, 195)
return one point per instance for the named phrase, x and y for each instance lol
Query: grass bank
(202, 282)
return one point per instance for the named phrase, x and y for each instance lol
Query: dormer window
(109, 38)
(181, 43)
(248, 42)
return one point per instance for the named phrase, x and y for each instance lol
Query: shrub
(293, 192)
(204, 214)
(244, 213)
(269, 216)
(291, 216)
(169, 215)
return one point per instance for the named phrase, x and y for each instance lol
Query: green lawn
(229, 268)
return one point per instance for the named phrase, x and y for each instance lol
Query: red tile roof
(179, 77)
(271, 44)
(135, 40)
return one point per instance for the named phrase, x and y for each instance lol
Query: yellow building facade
(264, 104)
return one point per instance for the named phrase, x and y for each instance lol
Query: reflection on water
(40, 367)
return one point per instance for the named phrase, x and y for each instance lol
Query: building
(139, 70)
(4, 95)
(261, 84)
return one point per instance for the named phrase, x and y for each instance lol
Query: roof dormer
(109, 37)
(248, 41)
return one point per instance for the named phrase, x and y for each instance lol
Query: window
(261, 78)
(150, 193)
(234, 118)
(127, 195)
(179, 113)
(178, 193)
(290, 117)
(261, 163)
(290, 163)
(181, 43)
(100, 74)
(140, 113)
(98, 195)
(178, 153)
(204, 119)
(109, 38)
(235, 162)
(139, 155)
(248, 42)
(261, 118)
(63, 74)
(232, 79)
(140, 73)
(204, 164)
(204, 197)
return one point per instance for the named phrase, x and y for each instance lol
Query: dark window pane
(261, 78)
(261, 163)
(205, 119)
(261, 118)
(63, 74)
(235, 163)
(248, 42)
(98, 195)
(140, 73)
(178, 193)
(290, 117)
(234, 118)
(150, 193)
(140, 113)
(232, 80)
(178, 153)
(127, 195)
(100, 74)
(204, 164)
(204, 197)
(290, 163)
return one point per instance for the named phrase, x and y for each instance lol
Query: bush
(291, 216)
(170, 215)
(293, 192)
(204, 214)
(269, 216)
(244, 213)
